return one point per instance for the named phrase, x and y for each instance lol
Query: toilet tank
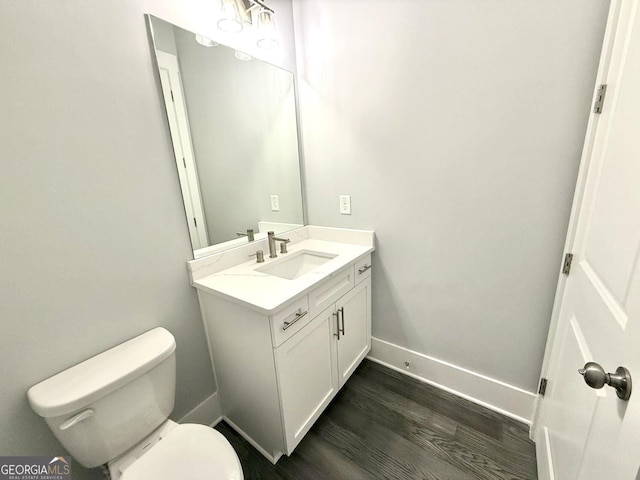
(103, 406)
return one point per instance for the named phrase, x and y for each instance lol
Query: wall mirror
(233, 125)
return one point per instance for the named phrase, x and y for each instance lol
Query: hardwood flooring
(386, 425)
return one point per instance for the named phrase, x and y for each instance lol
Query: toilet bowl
(187, 451)
(113, 409)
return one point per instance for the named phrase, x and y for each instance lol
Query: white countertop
(267, 293)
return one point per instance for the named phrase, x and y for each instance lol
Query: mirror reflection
(233, 125)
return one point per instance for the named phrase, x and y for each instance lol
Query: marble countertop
(267, 293)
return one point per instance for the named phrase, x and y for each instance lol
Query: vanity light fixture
(266, 29)
(230, 20)
(236, 15)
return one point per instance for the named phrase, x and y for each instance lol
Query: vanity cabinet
(277, 373)
(353, 336)
(308, 377)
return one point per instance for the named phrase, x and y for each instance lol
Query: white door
(580, 432)
(182, 148)
(354, 324)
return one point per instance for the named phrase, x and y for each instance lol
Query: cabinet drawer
(363, 269)
(331, 290)
(289, 320)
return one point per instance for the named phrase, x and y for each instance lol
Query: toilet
(114, 409)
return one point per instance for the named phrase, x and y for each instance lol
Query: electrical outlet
(345, 204)
(275, 203)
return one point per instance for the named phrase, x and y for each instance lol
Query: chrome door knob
(595, 376)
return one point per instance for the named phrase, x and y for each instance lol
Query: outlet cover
(275, 203)
(345, 204)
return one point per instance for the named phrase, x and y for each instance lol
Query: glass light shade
(267, 37)
(205, 41)
(245, 57)
(230, 19)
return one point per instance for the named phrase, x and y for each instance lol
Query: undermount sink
(297, 264)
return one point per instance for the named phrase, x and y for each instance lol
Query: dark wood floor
(386, 425)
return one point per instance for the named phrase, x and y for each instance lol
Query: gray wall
(93, 239)
(457, 128)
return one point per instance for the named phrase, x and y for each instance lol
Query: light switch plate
(275, 203)
(345, 204)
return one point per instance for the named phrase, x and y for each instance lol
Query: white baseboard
(493, 394)
(208, 412)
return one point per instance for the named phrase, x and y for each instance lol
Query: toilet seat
(188, 452)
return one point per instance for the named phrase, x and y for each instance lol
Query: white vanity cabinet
(353, 325)
(307, 376)
(277, 373)
(314, 364)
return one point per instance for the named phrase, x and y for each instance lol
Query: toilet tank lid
(86, 382)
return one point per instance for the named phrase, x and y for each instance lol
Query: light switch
(345, 204)
(275, 203)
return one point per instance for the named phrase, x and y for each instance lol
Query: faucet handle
(250, 236)
(259, 254)
(283, 245)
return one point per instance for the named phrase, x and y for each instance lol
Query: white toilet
(114, 409)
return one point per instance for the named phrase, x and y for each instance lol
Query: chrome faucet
(272, 244)
(249, 234)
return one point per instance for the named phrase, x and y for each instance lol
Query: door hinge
(172, 99)
(184, 162)
(543, 386)
(566, 266)
(195, 222)
(600, 94)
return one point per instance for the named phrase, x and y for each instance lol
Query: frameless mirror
(233, 125)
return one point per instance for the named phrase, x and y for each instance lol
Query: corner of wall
(207, 412)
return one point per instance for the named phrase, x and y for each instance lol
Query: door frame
(180, 131)
(613, 19)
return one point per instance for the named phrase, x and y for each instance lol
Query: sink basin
(296, 264)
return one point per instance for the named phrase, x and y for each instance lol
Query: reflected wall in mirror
(235, 138)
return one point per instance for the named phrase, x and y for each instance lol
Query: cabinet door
(354, 319)
(307, 375)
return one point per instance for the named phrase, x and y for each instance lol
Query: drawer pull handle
(298, 317)
(339, 313)
(364, 269)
